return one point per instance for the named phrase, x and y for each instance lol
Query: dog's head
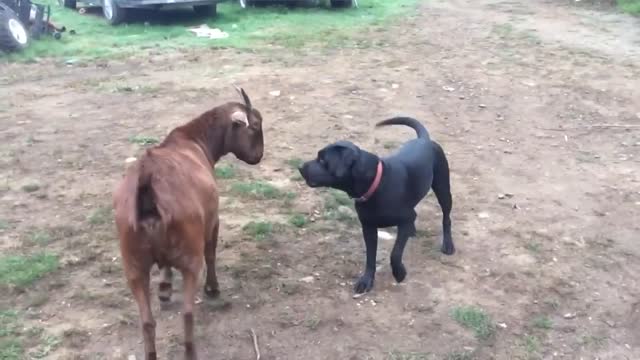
(332, 167)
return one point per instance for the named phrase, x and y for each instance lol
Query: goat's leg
(211, 287)
(139, 285)
(190, 280)
(165, 288)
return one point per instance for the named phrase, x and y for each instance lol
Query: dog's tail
(421, 131)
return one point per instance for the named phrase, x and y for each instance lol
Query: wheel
(13, 34)
(341, 3)
(70, 4)
(112, 12)
(205, 10)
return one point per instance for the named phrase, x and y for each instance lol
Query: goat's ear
(240, 118)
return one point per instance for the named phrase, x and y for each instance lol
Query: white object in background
(205, 31)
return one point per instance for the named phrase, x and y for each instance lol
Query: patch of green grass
(14, 338)
(312, 323)
(39, 237)
(259, 230)
(22, 271)
(630, 6)
(4, 224)
(542, 322)
(458, 355)
(339, 206)
(533, 247)
(390, 145)
(295, 163)
(224, 171)
(258, 190)
(100, 216)
(10, 344)
(298, 220)
(143, 140)
(400, 355)
(247, 28)
(475, 319)
(531, 345)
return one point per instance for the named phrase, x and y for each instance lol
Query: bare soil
(534, 99)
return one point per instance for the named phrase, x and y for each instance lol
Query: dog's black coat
(407, 175)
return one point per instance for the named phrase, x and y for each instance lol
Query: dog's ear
(347, 160)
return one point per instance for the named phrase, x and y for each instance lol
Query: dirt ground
(536, 105)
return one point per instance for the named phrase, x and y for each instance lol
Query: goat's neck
(209, 133)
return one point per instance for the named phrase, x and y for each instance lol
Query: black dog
(386, 190)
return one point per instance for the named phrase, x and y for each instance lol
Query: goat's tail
(143, 212)
(421, 131)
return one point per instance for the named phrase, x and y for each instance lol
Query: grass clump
(247, 28)
(143, 140)
(475, 319)
(257, 189)
(224, 171)
(21, 271)
(298, 220)
(630, 6)
(99, 216)
(10, 344)
(398, 355)
(258, 230)
(39, 237)
(542, 322)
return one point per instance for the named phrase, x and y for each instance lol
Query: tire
(112, 12)
(341, 3)
(205, 10)
(13, 34)
(69, 4)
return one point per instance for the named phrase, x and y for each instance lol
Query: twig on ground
(254, 337)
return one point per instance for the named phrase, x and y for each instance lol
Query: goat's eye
(322, 162)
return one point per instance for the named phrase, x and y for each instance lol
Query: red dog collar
(374, 184)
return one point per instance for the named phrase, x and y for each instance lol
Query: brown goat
(166, 208)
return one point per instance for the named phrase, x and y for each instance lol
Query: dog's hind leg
(442, 188)
(405, 231)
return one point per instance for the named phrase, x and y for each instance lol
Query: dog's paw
(364, 284)
(399, 272)
(448, 248)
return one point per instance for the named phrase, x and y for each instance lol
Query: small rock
(357, 296)
(31, 187)
(274, 93)
(483, 215)
(448, 88)
(307, 279)
(395, 86)
(570, 315)
(502, 325)
(348, 117)
(482, 106)
(130, 160)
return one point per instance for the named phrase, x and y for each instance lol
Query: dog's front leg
(365, 283)
(405, 231)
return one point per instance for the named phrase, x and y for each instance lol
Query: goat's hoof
(211, 291)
